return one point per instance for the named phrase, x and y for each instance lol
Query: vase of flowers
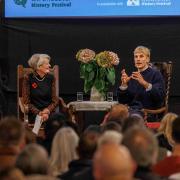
(95, 95)
(98, 71)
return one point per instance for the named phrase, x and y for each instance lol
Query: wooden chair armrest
(24, 108)
(155, 111)
(62, 105)
(64, 108)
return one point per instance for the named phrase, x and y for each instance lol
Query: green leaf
(102, 72)
(82, 70)
(111, 75)
(97, 76)
(91, 76)
(87, 86)
(99, 84)
(89, 67)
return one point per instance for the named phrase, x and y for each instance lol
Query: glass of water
(109, 96)
(79, 96)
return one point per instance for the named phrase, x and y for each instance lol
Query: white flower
(85, 55)
(114, 58)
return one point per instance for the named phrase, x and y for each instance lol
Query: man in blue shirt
(145, 87)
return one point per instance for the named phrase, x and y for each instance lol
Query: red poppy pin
(34, 85)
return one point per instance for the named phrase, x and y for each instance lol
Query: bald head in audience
(113, 162)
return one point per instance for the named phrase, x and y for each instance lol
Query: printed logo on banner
(21, 2)
(133, 2)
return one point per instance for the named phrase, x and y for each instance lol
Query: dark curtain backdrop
(62, 38)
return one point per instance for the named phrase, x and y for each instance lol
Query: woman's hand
(44, 114)
(46, 111)
(45, 117)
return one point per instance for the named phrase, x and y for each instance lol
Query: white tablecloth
(91, 105)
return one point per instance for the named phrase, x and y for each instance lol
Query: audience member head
(166, 126)
(118, 113)
(113, 162)
(110, 137)
(73, 125)
(111, 125)
(93, 128)
(11, 173)
(142, 145)
(12, 132)
(33, 160)
(88, 143)
(54, 123)
(63, 150)
(133, 120)
(38, 60)
(176, 130)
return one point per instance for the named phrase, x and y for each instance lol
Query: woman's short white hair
(37, 60)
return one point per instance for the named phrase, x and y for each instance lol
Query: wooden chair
(166, 70)
(22, 109)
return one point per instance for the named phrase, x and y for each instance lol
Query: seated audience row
(97, 153)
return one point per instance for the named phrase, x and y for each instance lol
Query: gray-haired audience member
(133, 120)
(143, 147)
(33, 160)
(113, 162)
(12, 141)
(93, 128)
(111, 125)
(110, 137)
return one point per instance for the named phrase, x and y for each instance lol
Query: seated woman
(39, 88)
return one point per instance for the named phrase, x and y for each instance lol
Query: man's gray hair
(110, 136)
(142, 144)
